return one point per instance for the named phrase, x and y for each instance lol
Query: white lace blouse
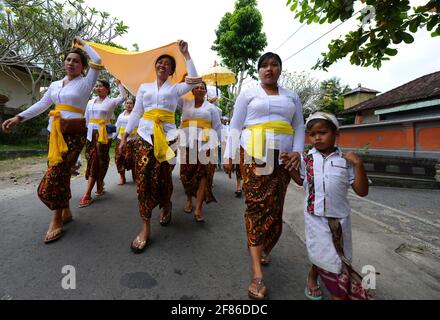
(150, 97)
(75, 93)
(253, 106)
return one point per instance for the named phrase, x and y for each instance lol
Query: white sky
(155, 23)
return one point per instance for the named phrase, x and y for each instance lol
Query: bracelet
(96, 66)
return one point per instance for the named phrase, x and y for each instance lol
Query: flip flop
(141, 248)
(54, 235)
(199, 218)
(100, 193)
(85, 202)
(165, 220)
(186, 210)
(308, 292)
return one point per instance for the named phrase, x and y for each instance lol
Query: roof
(360, 89)
(420, 89)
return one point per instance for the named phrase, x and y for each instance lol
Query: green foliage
(395, 20)
(307, 88)
(38, 33)
(31, 131)
(331, 95)
(240, 40)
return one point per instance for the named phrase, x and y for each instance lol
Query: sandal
(85, 202)
(238, 194)
(199, 218)
(141, 245)
(166, 219)
(100, 193)
(261, 292)
(188, 209)
(53, 235)
(308, 291)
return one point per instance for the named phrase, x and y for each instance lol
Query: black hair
(204, 84)
(330, 124)
(83, 56)
(105, 84)
(267, 56)
(173, 61)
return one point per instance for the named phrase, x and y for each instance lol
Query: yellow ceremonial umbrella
(218, 76)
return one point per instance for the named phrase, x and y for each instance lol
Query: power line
(290, 36)
(288, 58)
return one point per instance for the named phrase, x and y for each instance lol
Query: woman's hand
(291, 161)
(78, 41)
(10, 123)
(183, 47)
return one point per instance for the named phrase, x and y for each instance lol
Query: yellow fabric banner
(133, 68)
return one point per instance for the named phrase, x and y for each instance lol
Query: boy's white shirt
(333, 176)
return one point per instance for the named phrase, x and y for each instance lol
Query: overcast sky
(155, 23)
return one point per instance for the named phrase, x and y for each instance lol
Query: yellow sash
(199, 123)
(103, 137)
(57, 145)
(162, 151)
(256, 145)
(122, 130)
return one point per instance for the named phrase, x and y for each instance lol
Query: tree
(240, 40)
(390, 22)
(308, 89)
(331, 99)
(34, 35)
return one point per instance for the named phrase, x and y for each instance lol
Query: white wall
(17, 94)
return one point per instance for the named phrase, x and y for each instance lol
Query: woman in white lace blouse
(67, 131)
(267, 121)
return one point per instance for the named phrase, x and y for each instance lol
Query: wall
(417, 138)
(18, 95)
(356, 98)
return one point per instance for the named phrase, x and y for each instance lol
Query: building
(404, 121)
(17, 91)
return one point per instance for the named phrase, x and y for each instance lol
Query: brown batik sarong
(98, 158)
(125, 160)
(192, 174)
(264, 196)
(54, 188)
(153, 179)
(120, 157)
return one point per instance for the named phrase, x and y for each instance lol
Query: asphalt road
(186, 260)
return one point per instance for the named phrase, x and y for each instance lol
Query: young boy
(326, 174)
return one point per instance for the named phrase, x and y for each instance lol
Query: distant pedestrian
(326, 174)
(124, 159)
(98, 115)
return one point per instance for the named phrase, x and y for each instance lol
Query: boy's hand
(352, 157)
